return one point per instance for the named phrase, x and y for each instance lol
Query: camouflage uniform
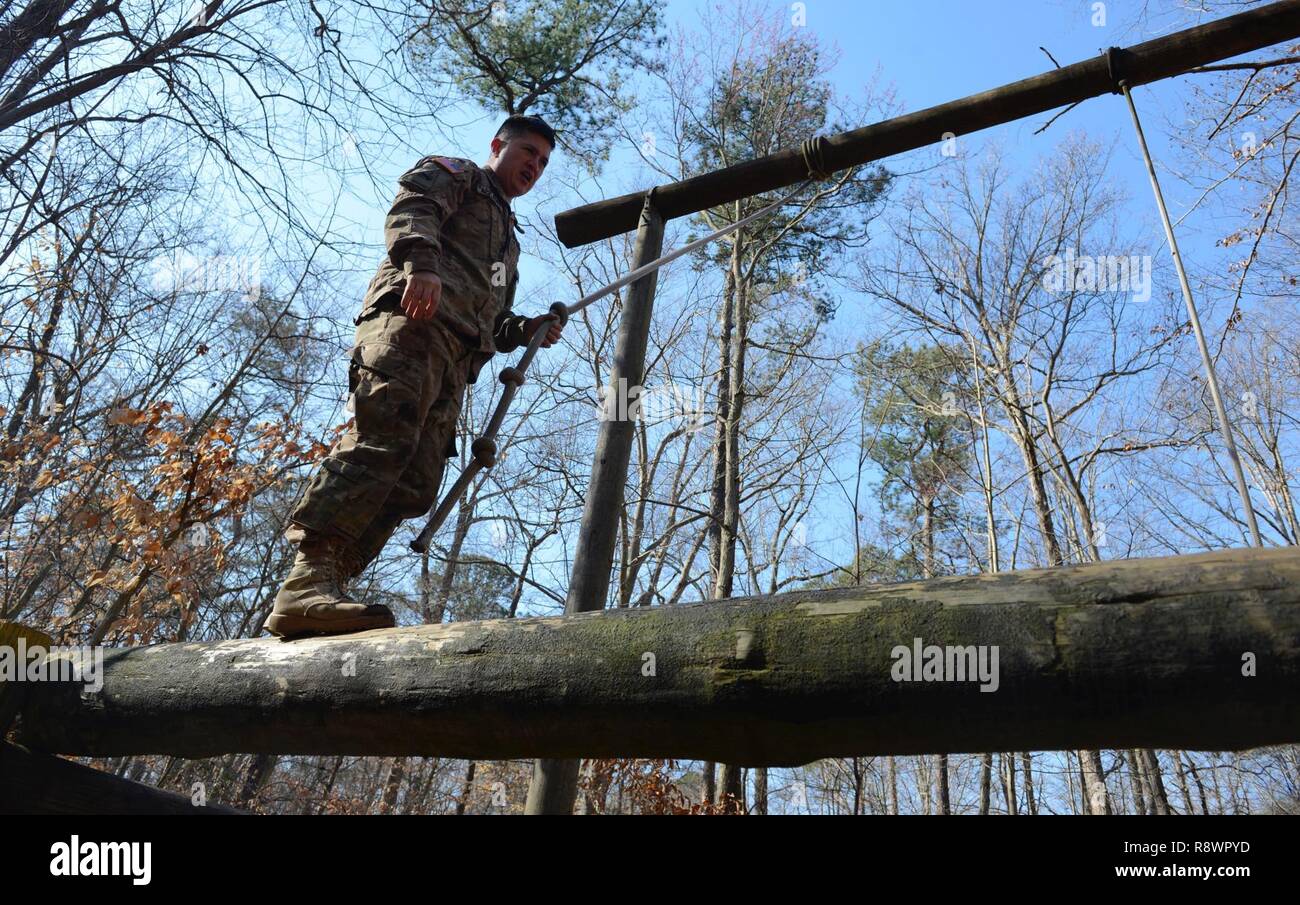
(408, 376)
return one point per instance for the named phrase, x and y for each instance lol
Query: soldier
(435, 312)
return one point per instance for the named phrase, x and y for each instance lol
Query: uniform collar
(496, 186)
(500, 193)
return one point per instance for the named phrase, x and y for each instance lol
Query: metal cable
(1211, 377)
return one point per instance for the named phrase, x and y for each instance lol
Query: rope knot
(813, 151)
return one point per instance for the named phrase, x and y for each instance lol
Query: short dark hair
(519, 124)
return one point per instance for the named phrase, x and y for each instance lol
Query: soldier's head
(520, 151)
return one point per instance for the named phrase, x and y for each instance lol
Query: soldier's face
(519, 162)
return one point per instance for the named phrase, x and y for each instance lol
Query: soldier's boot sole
(318, 609)
(290, 626)
(311, 600)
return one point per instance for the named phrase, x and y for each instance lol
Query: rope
(484, 448)
(813, 152)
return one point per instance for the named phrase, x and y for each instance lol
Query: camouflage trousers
(407, 379)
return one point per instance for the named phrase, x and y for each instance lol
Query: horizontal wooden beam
(1143, 63)
(1195, 652)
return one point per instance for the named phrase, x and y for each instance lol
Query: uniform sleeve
(429, 194)
(508, 329)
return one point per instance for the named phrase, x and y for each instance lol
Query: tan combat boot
(313, 599)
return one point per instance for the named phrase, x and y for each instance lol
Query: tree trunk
(941, 776)
(733, 789)
(466, 788)
(1094, 782)
(1136, 783)
(329, 784)
(393, 786)
(464, 513)
(1008, 764)
(1025, 771)
(259, 771)
(986, 782)
(1155, 782)
(893, 785)
(857, 786)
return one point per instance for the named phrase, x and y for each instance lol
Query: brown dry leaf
(84, 519)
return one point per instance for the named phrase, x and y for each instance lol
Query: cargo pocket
(340, 499)
(388, 387)
(349, 470)
(374, 310)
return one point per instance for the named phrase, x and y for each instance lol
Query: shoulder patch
(450, 164)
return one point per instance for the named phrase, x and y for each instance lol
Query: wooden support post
(554, 784)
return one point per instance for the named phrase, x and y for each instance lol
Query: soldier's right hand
(422, 295)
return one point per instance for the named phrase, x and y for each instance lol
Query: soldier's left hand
(553, 328)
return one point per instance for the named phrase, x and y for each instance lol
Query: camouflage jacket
(451, 217)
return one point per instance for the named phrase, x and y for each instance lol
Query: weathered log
(32, 783)
(1143, 63)
(11, 693)
(1126, 654)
